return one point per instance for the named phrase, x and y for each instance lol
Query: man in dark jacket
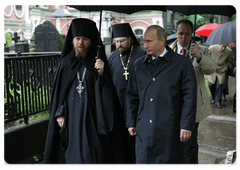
(84, 124)
(162, 101)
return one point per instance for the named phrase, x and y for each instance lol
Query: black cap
(84, 27)
(80, 27)
(123, 30)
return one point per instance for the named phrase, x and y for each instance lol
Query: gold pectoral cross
(126, 73)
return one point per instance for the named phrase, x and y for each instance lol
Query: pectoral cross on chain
(126, 73)
(80, 88)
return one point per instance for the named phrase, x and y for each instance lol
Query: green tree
(202, 19)
(8, 37)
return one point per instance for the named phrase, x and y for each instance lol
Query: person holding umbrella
(222, 55)
(203, 65)
(120, 62)
(85, 125)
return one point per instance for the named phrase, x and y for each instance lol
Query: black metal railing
(27, 84)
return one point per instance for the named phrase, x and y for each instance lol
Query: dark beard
(80, 54)
(124, 50)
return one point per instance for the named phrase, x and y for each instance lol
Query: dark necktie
(183, 51)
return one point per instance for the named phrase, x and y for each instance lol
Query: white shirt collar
(161, 55)
(179, 48)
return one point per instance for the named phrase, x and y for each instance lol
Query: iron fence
(27, 84)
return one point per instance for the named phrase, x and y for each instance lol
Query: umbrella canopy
(173, 37)
(226, 33)
(128, 9)
(205, 30)
(61, 13)
(226, 10)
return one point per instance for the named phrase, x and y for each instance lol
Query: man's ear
(163, 41)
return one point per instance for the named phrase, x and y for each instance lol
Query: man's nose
(145, 45)
(80, 41)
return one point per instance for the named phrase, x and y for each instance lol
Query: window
(139, 35)
(19, 7)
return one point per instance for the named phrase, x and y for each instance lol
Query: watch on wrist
(200, 58)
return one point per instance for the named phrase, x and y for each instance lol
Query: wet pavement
(217, 133)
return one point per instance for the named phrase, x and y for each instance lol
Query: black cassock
(162, 100)
(117, 71)
(94, 127)
(121, 83)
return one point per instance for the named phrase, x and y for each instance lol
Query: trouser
(216, 91)
(191, 148)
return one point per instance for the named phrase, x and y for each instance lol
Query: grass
(36, 117)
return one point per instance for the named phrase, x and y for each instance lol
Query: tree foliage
(8, 38)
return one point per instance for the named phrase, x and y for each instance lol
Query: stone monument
(46, 37)
(20, 44)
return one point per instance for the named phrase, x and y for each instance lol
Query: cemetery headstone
(46, 37)
(20, 45)
(15, 37)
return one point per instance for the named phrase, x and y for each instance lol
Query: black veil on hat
(124, 30)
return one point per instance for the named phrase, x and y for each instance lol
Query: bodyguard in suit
(203, 64)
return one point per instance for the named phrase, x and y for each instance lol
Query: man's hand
(194, 49)
(60, 120)
(132, 131)
(185, 135)
(99, 65)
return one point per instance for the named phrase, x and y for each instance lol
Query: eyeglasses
(120, 41)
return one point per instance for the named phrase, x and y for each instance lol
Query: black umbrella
(225, 33)
(226, 10)
(127, 9)
(173, 37)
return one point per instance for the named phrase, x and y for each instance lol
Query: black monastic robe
(94, 126)
(117, 71)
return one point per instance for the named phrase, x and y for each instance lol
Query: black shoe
(219, 105)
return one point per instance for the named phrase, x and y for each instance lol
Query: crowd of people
(138, 105)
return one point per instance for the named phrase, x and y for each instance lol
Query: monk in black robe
(85, 124)
(120, 62)
(162, 95)
(127, 51)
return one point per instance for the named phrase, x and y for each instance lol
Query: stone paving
(217, 133)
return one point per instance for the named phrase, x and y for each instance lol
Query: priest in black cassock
(85, 124)
(120, 62)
